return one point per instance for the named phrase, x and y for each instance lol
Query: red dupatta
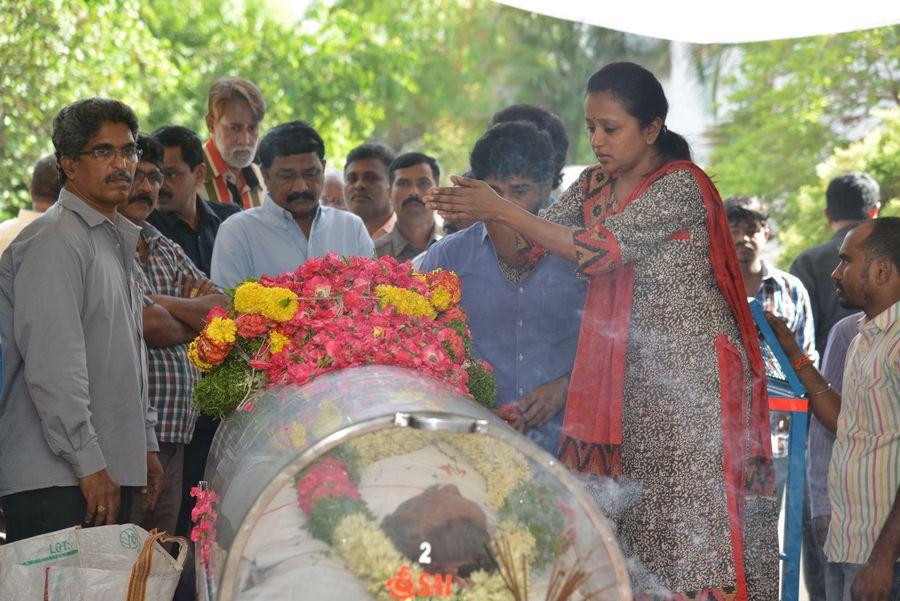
(592, 430)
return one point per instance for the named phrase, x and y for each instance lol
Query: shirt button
(521, 323)
(521, 291)
(521, 391)
(521, 357)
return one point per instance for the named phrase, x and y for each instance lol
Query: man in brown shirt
(410, 176)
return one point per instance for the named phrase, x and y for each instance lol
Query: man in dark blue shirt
(524, 323)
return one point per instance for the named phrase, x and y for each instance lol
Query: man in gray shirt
(77, 431)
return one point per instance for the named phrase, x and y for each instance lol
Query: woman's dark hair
(642, 96)
(295, 137)
(177, 136)
(77, 123)
(513, 148)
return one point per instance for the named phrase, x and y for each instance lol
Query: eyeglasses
(155, 177)
(106, 152)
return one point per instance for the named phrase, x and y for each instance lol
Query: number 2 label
(425, 557)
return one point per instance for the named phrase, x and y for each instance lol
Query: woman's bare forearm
(550, 236)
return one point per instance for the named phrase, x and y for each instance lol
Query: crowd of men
(133, 238)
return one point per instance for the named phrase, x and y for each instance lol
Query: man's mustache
(118, 176)
(145, 198)
(413, 198)
(301, 196)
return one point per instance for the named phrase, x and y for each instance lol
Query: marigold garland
(221, 330)
(407, 302)
(273, 302)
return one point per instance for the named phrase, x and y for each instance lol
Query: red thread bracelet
(801, 362)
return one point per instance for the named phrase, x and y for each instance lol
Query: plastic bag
(107, 563)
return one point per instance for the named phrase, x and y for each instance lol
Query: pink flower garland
(204, 517)
(339, 323)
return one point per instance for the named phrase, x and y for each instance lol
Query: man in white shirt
(290, 226)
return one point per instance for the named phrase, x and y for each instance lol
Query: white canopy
(722, 21)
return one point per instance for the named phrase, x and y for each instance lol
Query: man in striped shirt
(863, 542)
(235, 111)
(177, 298)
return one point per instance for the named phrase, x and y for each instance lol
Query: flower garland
(328, 495)
(204, 517)
(332, 313)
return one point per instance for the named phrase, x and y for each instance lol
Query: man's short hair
(746, 208)
(294, 137)
(545, 120)
(883, 241)
(373, 151)
(513, 148)
(228, 89)
(151, 150)
(75, 124)
(411, 159)
(851, 196)
(178, 136)
(45, 178)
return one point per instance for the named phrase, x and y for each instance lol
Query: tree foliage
(877, 154)
(419, 74)
(792, 103)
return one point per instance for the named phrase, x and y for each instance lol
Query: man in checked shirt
(177, 298)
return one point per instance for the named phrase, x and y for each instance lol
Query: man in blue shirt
(290, 226)
(525, 324)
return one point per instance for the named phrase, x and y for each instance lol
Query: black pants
(34, 512)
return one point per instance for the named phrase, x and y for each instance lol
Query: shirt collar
(881, 322)
(386, 228)
(283, 218)
(485, 237)
(400, 242)
(89, 214)
(149, 232)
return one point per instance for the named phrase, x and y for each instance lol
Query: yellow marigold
(221, 330)
(278, 304)
(277, 340)
(195, 357)
(407, 302)
(441, 299)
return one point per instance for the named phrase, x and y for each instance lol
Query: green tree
(878, 154)
(55, 51)
(423, 74)
(792, 102)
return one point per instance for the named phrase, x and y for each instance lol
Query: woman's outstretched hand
(468, 200)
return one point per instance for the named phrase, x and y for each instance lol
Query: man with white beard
(235, 111)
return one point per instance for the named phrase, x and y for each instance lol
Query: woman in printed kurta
(668, 387)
